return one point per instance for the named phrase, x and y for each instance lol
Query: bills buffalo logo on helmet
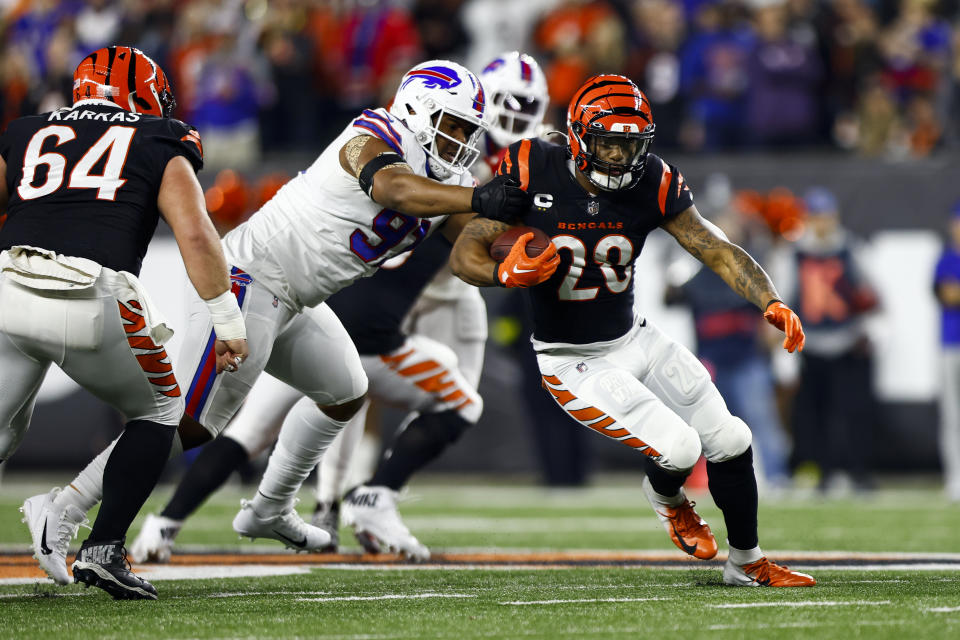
(434, 78)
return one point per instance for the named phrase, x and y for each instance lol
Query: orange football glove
(520, 270)
(782, 317)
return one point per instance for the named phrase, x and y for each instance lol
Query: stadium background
(868, 109)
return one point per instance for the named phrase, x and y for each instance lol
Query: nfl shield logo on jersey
(593, 207)
(582, 367)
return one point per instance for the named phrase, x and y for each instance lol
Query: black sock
(209, 471)
(666, 483)
(131, 472)
(733, 486)
(424, 439)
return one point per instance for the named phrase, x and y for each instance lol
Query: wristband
(227, 318)
(771, 302)
(496, 274)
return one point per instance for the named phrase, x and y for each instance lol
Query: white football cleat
(372, 512)
(287, 527)
(52, 527)
(764, 573)
(154, 543)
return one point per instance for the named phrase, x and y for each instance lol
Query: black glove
(501, 199)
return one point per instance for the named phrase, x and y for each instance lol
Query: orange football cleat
(764, 573)
(688, 530)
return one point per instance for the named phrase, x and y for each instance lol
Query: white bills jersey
(321, 232)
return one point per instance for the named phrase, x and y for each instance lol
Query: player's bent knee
(730, 440)
(344, 411)
(682, 452)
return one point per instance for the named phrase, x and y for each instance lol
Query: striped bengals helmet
(127, 77)
(609, 130)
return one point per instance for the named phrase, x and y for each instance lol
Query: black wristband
(369, 169)
(771, 302)
(496, 274)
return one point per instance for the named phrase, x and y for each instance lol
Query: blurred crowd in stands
(874, 77)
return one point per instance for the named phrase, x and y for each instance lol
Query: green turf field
(900, 599)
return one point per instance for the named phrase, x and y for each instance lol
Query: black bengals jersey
(372, 309)
(598, 238)
(83, 181)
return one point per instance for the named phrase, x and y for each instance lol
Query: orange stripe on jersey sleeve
(506, 166)
(664, 188)
(523, 163)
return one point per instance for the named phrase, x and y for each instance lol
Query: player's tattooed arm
(395, 186)
(470, 259)
(707, 243)
(350, 154)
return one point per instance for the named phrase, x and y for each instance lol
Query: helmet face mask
(455, 150)
(127, 77)
(615, 158)
(609, 132)
(518, 97)
(429, 95)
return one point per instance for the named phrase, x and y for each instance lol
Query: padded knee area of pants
(683, 452)
(728, 441)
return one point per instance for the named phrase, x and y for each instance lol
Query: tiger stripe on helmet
(609, 105)
(125, 76)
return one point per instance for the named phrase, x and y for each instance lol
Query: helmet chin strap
(601, 179)
(439, 171)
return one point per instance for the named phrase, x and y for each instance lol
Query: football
(505, 241)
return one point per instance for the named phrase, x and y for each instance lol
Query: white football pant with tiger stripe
(646, 391)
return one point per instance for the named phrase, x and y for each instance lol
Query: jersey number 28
(115, 142)
(601, 255)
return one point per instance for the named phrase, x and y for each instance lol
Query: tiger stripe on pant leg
(590, 416)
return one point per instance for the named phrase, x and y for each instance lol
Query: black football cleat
(105, 565)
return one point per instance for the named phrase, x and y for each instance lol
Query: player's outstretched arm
(391, 183)
(707, 243)
(181, 203)
(386, 178)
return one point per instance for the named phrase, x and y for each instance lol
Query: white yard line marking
(943, 609)
(932, 566)
(44, 595)
(242, 594)
(389, 596)
(201, 572)
(581, 600)
(802, 603)
(805, 625)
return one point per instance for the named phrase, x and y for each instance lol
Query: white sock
(668, 501)
(305, 435)
(335, 465)
(745, 556)
(86, 490)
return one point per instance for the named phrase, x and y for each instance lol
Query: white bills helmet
(432, 90)
(518, 97)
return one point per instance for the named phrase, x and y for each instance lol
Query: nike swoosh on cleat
(300, 544)
(515, 270)
(690, 549)
(44, 549)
